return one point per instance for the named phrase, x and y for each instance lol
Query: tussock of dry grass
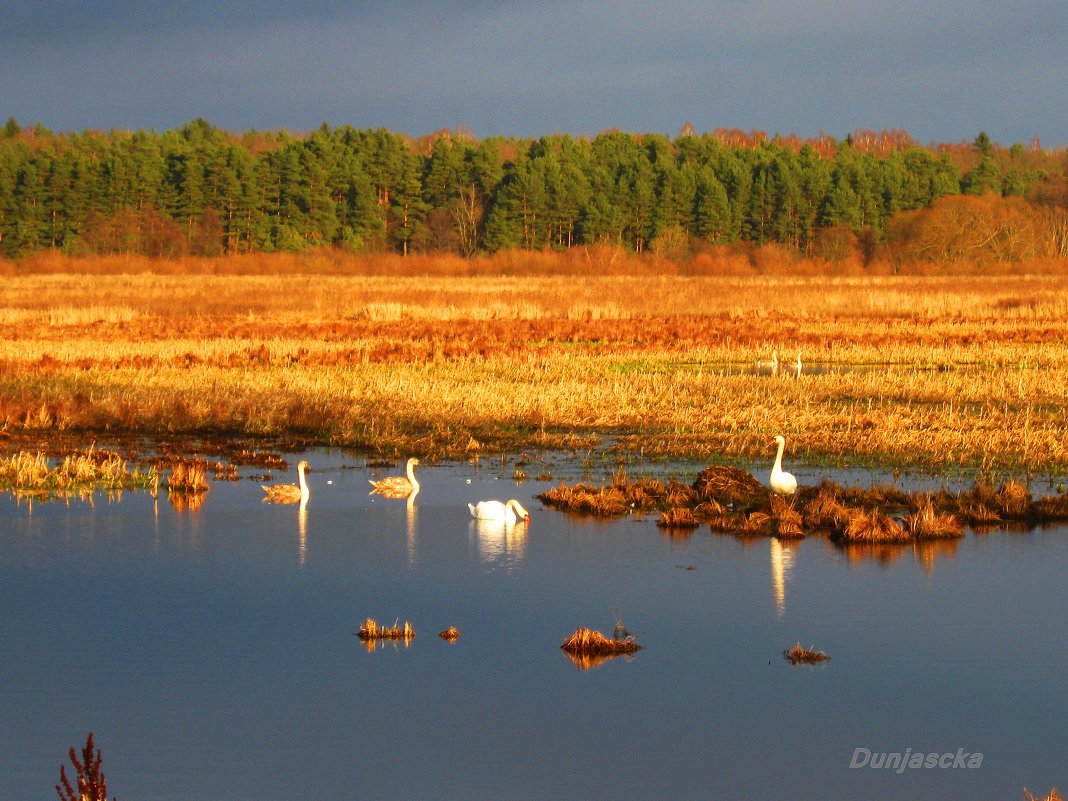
(927, 523)
(678, 517)
(372, 630)
(799, 655)
(451, 634)
(870, 526)
(587, 648)
(188, 476)
(787, 521)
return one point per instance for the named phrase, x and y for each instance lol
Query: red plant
(92, 785)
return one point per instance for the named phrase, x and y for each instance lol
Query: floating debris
(451, 634)
(799, 655)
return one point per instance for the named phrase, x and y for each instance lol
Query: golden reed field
(446, 358)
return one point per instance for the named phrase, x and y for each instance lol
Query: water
(212, 652)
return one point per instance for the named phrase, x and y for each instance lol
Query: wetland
(206, 638)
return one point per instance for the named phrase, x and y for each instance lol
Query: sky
(942, 70)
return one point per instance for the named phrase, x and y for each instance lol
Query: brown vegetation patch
(451, 634)
(787, 521)
(927, 523)
(730, 486)
(871, 526)
(372, 630)
(588, 648)
(678, 517)
(188, 476)
(799, 655)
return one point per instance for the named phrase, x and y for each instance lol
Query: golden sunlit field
(899, 371)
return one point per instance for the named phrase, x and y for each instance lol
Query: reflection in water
(374, 645)
(187, 501)
(782, 558)
(302, 529)
(925, 552)
(499, 541)
(591, 661)
(413, 519)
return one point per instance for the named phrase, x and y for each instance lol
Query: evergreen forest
(200, 190)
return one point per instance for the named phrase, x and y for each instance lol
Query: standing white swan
(398, 486)
(782, 483)
(797, 365)
(502, 512)
(289, 493)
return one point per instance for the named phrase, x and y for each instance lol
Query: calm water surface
(212, 652)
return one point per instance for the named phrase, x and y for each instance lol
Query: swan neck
(303, 481)
(778, 457)
(411, 475)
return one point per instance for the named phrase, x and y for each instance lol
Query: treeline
(199, 190)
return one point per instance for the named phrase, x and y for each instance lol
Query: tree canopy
(201, 190)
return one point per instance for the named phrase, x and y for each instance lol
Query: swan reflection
(412, 514)
(302, 530)
(500, 541)
(782, 558)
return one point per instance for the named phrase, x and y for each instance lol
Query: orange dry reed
(371, 630)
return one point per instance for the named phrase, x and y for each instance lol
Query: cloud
(937, 68)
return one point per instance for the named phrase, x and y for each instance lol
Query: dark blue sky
(941, 69)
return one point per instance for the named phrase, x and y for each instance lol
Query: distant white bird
(502, 512)
(289, 493)
(782, 483)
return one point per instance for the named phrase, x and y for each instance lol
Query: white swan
(773, 364)
(289, 493)
(398, 486)
(782, 483)
(797, 364)
(495, 510)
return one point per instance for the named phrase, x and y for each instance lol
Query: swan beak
(526, 518)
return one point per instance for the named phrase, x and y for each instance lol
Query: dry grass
(927, 523)
(905, 371)
(589, 642)
(188, 476)
(1054, 795)
(78, 473)
(799, 655)
(372, 630)
(451, 634)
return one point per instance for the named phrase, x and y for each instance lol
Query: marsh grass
(78, 473)
(188, 476)
(903, 371)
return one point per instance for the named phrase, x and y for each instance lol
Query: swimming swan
(782, 483)
(773, 364)
(501, 512)
(398, 486)
(289, 493)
